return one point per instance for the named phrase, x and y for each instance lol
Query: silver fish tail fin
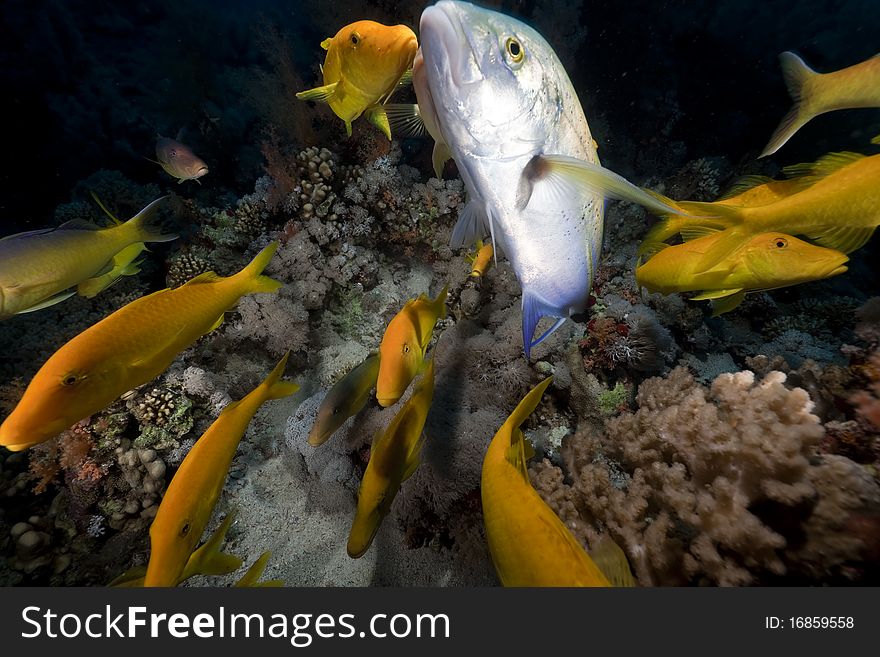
(533, 309)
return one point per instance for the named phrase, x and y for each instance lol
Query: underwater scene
(398, 293)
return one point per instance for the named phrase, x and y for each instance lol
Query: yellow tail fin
(440, 302)
(140, 228)
(274, 387)
(252, 273)
(520, 451)
(253, 574)
(796, 74)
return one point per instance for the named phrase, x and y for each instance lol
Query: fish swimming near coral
(394, 456)
(763, 262)
(481, 259)
(126, 349)
(206, 560)
(189, 501)
(345, 399)
(816, 93)
(40, 268)
(365, 62)
(510, 116)
(403, 346)
(178, 160)
(529, 544)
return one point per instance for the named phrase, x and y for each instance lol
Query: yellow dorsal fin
(810, 173)
(744, 184)
(611, 560)
(648, 250)
(207, 277)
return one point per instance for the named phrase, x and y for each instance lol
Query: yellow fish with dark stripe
(189, 501)
(128, 348)
(345, 399)
(394, 456)
(530, 545)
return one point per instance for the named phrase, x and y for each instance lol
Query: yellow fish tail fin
(252, 276)
(520, 450)
(796, 73)
(208, 559)
(440, 302)
(274, 387)
(253, 574)
(611, 560)
(141, 227)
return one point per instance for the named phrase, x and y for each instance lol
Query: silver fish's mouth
(445, 41)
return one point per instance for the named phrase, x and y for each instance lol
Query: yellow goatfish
(403, 346)
(763, 262)
(344, 400)
(123, 264)
(38, 268)
(481, 259)
(816, 93)
(749, 191)
(207, 560)
(530, 545)
(364, 64)
(394, 456)
(126, 349)
(837, 206)
(179, 161)
(189, 501)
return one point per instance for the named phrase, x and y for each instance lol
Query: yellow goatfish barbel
(126, 349)
(345, 399)
(394, 456)
(38, 268)
(816, 93)
(530, 545)
(403, 346)
(189, 501)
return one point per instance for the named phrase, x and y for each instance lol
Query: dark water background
(87, 85)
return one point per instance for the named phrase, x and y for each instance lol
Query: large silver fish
(511, 119)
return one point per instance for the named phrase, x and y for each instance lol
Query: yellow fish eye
(185, 529)
(355, 38)
(780, 242)
(514, 50)
(405, 348)
(71, 379)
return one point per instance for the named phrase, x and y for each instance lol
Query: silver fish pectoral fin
(533, 309)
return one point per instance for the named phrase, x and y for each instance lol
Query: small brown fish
(179, 161)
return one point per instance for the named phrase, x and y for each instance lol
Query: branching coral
(722, 485)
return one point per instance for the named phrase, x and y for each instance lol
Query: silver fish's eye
(513, 50)
(780, 242)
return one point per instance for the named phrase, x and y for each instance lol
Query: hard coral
(718, 486)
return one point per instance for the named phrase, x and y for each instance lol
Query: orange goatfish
(126, 349)
(530, 545)
(394, 456)
(189, 501)
(816, 93)
(364, 64)
(402, 350)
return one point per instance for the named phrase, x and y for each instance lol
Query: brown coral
(718, 486)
